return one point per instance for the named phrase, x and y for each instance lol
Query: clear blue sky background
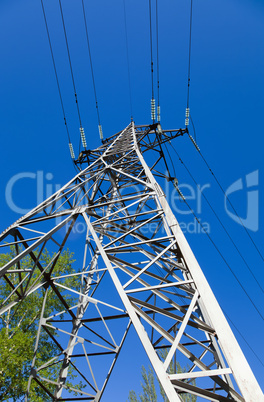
(226, 100)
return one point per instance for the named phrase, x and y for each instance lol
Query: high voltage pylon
(137, 270)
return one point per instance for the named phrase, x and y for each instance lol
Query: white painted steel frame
(133, 240)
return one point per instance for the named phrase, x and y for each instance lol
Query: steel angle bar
(196, 323)
(124, 264)
(153, 323)
(203, 393)
(36, 342)
(203, 366)
(105, 187)
(42, 386)
(15, 289)
(61, 312)
(136, 323)
(124, 199)
(90, 367)
(79, 339)
(34, 245)
(161, 239)
(134, 179)
(180, 331)
(90, 299)
(134, 229)
(125, 155)
(54, 358)
(200, 343)
(125, 217)
(149, 264)
(197, 374)
(18, 242)
(13, 303)
(67, 387)
(114, 361)
(108, 330)
(233, 354)
(166, 285)
(98, 335)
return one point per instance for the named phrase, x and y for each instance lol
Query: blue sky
(226, 101)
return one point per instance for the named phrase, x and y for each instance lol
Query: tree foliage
(149, 393)
(19, 324)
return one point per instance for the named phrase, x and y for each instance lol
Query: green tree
(18, 327)
(149, 393)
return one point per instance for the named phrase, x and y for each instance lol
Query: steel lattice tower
(137, 270)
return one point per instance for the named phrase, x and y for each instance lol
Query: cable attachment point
(175, 182)
(194, 143)
(159, 129)
(100, 132)
(158, 114)
(153, 109)
(83, 137)
(187, 115)
(71, 150)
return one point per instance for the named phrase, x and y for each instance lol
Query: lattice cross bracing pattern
(134, 268)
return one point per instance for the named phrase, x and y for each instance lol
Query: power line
(82, 136)
(128, 63)
(153, 117)
(92, 72)
(219, 252)
(158, 78)
(57, 80)
(187, 113)
(173, 167)
(219, 220)
(228, 200)
(223, 258)
(189, 61)
(252, 350)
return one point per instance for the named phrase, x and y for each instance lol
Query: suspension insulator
(180, 193)
(71, 150)
(153, 110)
(175, 183)
(187, 115)
(158, 113)
(194, 143)
(83, 137)
(100, 132)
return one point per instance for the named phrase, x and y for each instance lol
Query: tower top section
(147, 136)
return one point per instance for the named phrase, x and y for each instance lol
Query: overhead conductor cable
(72, 76)
(128, 62)
(158, 82)
(57, 80)
(214, 244)
(153, 107)
(92, 72)
(187, 112)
